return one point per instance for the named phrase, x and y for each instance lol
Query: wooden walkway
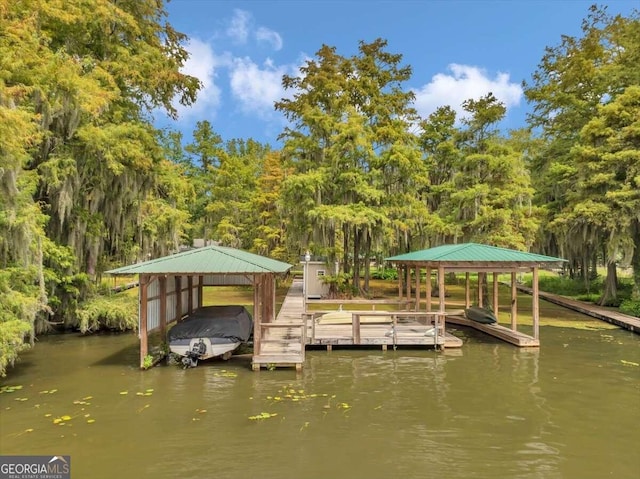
(283, 342)
(619, 319)
(509, 335)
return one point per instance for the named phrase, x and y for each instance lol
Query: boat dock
(501, 332)
(614, 317)
(283, 342)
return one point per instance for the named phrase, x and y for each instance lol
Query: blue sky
(457, 49)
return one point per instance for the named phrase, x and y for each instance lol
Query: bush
(631, 307)
(117, 312)
(568, 286)
(385, 274)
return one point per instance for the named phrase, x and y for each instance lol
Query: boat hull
(213, 350)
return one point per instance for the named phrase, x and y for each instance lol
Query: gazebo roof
(472, 253)
(207, 260)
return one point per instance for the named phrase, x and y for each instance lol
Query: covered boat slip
(473, 258)
(171, 287)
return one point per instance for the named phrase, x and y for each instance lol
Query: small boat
(480, 315)
(210, 332)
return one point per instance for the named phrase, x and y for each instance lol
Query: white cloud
(202, 63)
(463, 83)
(238, 28)
(264, 34)
(257, 88)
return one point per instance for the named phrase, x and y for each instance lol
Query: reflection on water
(490, 410)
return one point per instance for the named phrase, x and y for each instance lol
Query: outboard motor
(190, 360)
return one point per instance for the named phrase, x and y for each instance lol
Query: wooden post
(441, 306)
(496, 305)
(428, 289)
(480, 281)
(355, 328)
(407, 282)
(417, 308)
(200, 291)
(400, 283)
(535, 306)
(162, 320)
(467, 290)
(178, 289)
(144, 340)
(514, 302)
(190, 294)
(257, 330)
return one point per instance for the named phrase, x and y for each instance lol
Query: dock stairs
(282, 342)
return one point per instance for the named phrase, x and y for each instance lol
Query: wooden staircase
(282, 342)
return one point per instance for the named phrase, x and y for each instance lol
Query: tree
(354, 158)
(81, 79)
(571, 85)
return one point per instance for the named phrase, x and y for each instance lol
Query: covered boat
(210, 332)
(480, 315)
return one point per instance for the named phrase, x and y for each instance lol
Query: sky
(457, 50)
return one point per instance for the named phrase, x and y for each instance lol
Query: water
(491, 410)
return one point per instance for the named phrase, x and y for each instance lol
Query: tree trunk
(610, 294)
(367, 262)
(356, 261)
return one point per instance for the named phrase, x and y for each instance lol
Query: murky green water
(570, 410)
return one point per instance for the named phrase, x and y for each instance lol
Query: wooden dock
(382, 328)
(614, 317)
(514, 337)
(282, 343)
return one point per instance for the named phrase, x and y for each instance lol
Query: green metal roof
(207, 260)
(473, 252)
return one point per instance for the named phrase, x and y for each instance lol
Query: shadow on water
(126, 356)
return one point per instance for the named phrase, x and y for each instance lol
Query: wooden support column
(428, 289)
(514, 302)
(495, 298)
(441, 305)
(200, 290)
(535, 306)
(407, 282)
(190, 294)
(178, 289)
(144, 339)
(272, 293)
(257, 330)
(480, 286)
(467, 290)
(162, 320)
(400, 282)
(417, 308)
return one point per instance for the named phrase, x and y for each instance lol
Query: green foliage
(566, 286)
(118, 312)
(148, 361)
(631, 307)
(338, 285)
(385, 274)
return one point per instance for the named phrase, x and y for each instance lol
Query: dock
(283, 342)
(614, 317)
(501, 332)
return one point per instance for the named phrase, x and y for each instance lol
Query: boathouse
(171, 287)
(480, 259)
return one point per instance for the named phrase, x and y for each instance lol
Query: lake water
(490, 410)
